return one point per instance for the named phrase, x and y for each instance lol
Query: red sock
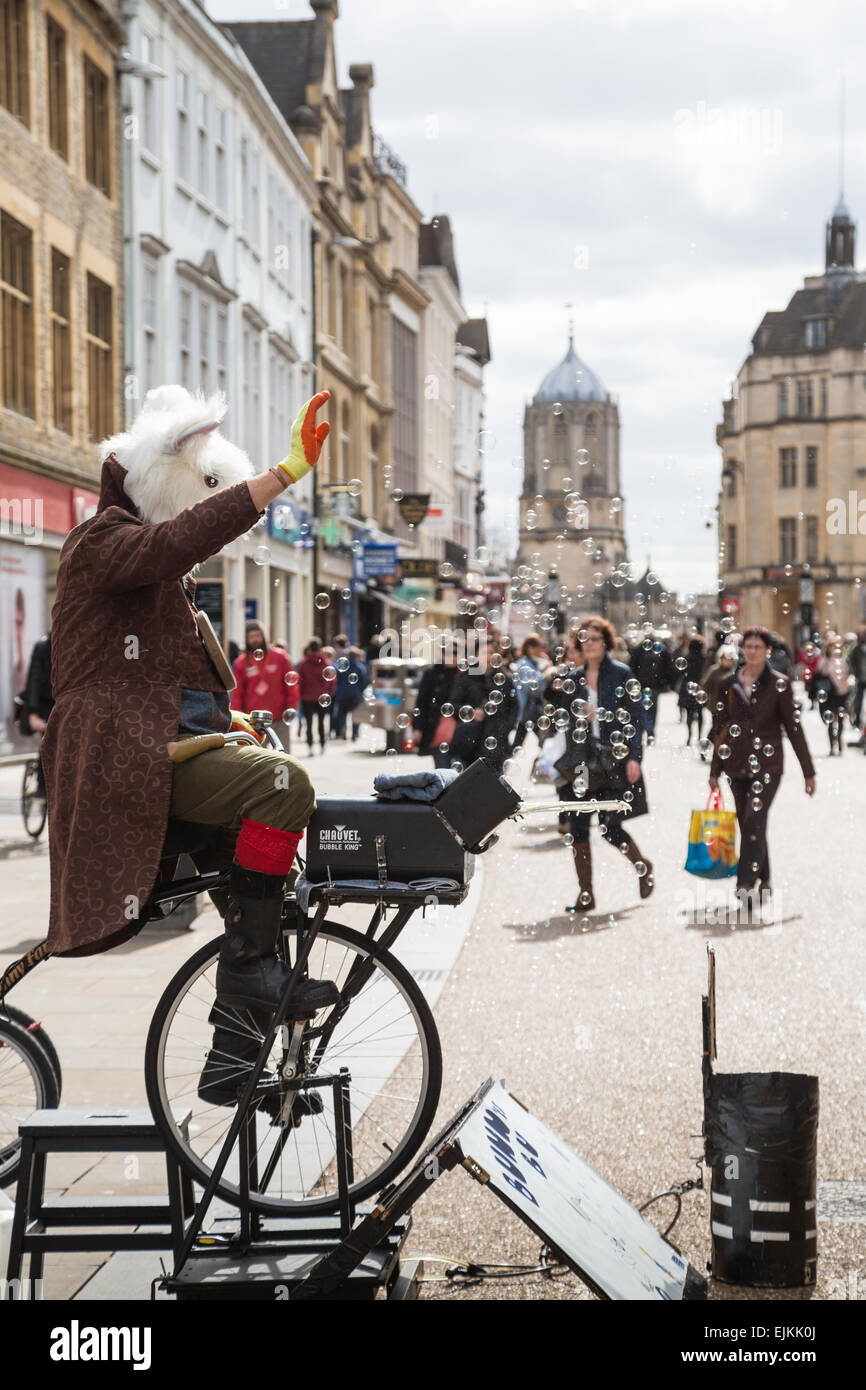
(266, 850)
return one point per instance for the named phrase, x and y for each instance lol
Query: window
(183, 87)
(811, 539)
(787, 468)
(100, 385)
(14, 67)
(788, 539)
(825, 407)
(97, 140)
(204, 331)
(345, 443)
(590, 425)
(280, 385)
(56, 53)
(203, 150)
(783, 400)
(185, 337)
(220, 141)
(346, 297)
(149, 317)
(815, 333)
(61, 345)
(811, 465)
(222, 348)
(149, 102)
(250, 191)
(730, 475)
(731, 560)
(16, 286)
(804, 398)
(252, 392)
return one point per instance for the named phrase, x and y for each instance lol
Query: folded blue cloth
(413, 786)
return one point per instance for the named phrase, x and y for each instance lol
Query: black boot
(238, 1036)
(249, 974)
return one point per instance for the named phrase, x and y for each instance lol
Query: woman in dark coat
(490, 695)
(435, 713)
(604, 701)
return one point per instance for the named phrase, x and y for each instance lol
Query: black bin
(761, 1146)
(761, 1132)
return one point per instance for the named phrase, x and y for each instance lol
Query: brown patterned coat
(124, 646)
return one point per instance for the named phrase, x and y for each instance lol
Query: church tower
(571, 507)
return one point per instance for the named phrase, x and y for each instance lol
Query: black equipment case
(363, 837)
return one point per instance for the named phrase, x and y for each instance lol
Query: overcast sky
(665, 165)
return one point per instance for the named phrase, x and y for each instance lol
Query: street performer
(131, 674)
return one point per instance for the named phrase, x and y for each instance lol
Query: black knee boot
(250, 975)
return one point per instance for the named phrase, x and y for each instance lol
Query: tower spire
(568, 305)
(842, 137)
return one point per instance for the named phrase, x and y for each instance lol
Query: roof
(473, 334)
(571, 380)
(280, 52)
(436, 247)
(781, 333)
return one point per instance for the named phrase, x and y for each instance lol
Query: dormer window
(815, 333)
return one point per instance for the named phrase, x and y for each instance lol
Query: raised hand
(307, 440)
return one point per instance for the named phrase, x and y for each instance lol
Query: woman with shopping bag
(753, 707)
(604, 748)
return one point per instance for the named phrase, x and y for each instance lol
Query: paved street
(593, 1022)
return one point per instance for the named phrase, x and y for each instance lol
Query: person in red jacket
(265, 679)
(313, 685)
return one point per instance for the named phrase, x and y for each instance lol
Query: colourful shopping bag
(712, 841)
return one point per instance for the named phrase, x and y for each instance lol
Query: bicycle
(33, 803)
(30, 1079)
(380, 1041)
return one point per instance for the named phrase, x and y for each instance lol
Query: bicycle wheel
(384, 1033)
(27, 1083)
(39, 1035)
(33, 804)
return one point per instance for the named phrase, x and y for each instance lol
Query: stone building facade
(792, 508)
(61, 282)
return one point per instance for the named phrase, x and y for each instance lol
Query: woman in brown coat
(753, 706)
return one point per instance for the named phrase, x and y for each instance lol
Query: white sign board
(602, 1236)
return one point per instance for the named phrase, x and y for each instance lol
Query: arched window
(590, 424)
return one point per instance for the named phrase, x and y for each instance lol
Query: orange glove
(307, 440)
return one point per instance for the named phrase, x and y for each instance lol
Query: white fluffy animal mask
(174, 454)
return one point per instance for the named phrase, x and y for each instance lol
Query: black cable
(472, 1273)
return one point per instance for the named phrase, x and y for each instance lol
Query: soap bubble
(735, 731)
(324, 701)
(582, 457)
(291, 678)
(397, 495)
(322, 601)
(724, 752)
(465, 714)
(355, 487)
(490, 743)
(446, 710)
(403, 721)
(261, 555)
(342, 663)
(258, 654)
(329, 674)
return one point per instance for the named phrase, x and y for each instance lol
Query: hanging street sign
(413, 507)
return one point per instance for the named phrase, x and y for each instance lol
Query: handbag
(603, 770)
(712, 851)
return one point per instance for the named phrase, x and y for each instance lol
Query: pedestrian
(266, 679)
(486, 708)
(808, 659)
(435, 722)
(834, 681)
(725, 663)
(349, 686)
(692, 698)
(755, 704)
(857, 659)
(604, 741)
(529, 682)
(652, 665)
(38, 699)
(315, 690)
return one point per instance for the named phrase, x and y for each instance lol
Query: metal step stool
(98, 1130)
